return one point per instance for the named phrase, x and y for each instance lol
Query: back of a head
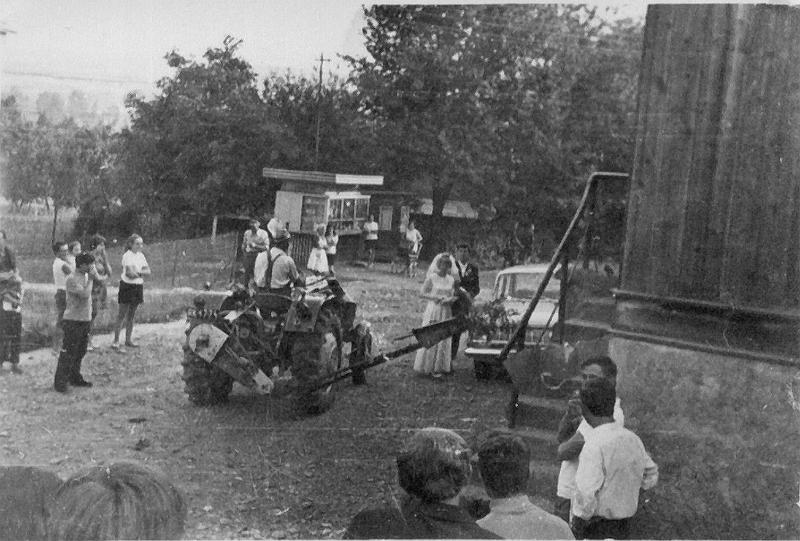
(25, 495)
(504, 462)
(84, 258)
(599, 396)
(434, 465)
(120, 501)
(605, 363)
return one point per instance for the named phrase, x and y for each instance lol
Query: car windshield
(523, 285)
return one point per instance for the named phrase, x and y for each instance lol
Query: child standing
(331, 241)
(61, 269)
(76, 324)
(439, 290)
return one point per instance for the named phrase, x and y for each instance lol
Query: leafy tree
(200, 145)
(511, 105)
(347, 135)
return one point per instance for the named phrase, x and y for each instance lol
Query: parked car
(514, 288)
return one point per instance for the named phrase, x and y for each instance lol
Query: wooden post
(214, 230)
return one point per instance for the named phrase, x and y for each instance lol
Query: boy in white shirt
(61, 269)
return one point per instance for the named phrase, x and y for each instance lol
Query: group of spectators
(81, 279)
(604, 467)
(123, 500)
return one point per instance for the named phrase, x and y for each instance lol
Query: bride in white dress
(439, 290)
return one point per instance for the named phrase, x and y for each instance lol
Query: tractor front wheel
(205, 384)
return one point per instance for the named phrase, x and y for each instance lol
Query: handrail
(588, 193)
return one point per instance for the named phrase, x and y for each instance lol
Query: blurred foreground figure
(25, 494)
(118, 501)
(432, 470)
(504, 462)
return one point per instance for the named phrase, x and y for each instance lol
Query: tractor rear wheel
(205, 384)
(316, 356)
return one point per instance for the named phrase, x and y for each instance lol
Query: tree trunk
(435, 243)
(55, 223)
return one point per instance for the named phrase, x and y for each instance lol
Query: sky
(110, 47)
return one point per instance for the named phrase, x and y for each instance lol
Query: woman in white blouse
(131, 290)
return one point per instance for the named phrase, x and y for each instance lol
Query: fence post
(175, 260)
(214, 229)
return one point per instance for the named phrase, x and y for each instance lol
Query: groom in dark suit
(466, 276)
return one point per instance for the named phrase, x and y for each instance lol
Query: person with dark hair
(11, 307)
(120, 501)
(468, 286)
(254, 241)
(131, 290)
(25, 497)
(612, 468)
(504, 463)
(433, 468)
(97, 247)
(77, 320)
(61, 269)
(573, 430)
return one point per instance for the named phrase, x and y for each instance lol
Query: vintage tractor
(286, 346)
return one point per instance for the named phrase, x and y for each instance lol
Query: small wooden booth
(304, 199)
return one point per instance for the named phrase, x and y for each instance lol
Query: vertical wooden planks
(714, 194)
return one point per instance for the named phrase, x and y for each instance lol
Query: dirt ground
(248, 471)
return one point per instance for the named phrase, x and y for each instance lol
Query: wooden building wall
(714, 210)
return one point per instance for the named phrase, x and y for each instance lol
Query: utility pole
(319, 109)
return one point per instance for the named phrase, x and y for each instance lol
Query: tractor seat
(270, 302)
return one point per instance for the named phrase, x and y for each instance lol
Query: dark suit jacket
(416, 520)
(469, 281)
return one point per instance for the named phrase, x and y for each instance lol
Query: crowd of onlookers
(81, 278)
(603, 465)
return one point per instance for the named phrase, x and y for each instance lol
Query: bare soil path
(247, 470)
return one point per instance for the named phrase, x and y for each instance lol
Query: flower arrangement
(491, 318)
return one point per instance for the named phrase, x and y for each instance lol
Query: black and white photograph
(448, 270)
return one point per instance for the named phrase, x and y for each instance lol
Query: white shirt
(260, 268)
(566, 477)
(59, 278)
(413, 235)
(517, 518)
(371, 229)
(135, 260)
(612, 467)
(259, 238)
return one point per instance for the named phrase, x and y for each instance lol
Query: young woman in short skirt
(131, 290)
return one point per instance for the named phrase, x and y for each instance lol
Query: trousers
(10, 333)
(76, 338)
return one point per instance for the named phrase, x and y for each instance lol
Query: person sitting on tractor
(275, 269)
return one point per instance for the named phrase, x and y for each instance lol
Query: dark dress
(416, 520)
